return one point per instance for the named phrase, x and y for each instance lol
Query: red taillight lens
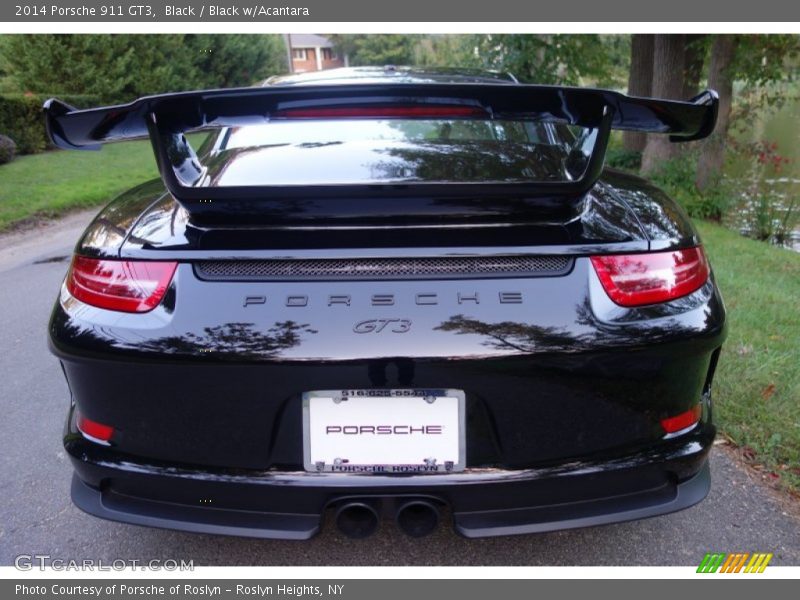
(639, 279)
(92, 429)
(442, 111)
(683, 420)
(123, 285)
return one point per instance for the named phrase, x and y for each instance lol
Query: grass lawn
(49, 184)
(757, 386)
(53, 182)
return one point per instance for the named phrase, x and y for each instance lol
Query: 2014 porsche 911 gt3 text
(378, 292)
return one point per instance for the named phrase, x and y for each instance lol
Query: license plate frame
(405, 403)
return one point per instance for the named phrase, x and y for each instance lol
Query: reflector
(683, 420)
(92, 429)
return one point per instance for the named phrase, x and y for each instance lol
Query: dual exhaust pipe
(359, 519)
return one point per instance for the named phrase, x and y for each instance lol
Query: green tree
(551, 58)
(640, 83)
(600, 60)
(6, 83)
(720, 78)
(235, 60)
(757, 67)
(761, 65)
(112, 67)
(119, 68)
(669, 59)
(458, 50)
(377, 49)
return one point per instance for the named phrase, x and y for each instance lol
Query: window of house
(299, 54)
(328, 54)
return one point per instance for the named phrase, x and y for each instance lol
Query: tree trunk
(640, 83)
(287, 41)
(694, 57)
(720, 78)
(668, 65)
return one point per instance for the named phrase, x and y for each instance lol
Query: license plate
(384, 431)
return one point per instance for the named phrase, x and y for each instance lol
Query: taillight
(122, 285)
(440, 111)
(93, 430)
(639, 279)
(683, 420)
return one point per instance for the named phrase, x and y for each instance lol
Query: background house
(312, 52)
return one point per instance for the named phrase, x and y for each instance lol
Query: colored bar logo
(714, 562)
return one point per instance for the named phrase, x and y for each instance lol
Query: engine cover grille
(324, 269)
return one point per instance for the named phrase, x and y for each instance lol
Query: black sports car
(388, 292)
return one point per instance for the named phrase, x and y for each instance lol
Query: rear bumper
(483, 502)
(564, 396)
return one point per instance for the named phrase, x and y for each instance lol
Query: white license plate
(384, 431)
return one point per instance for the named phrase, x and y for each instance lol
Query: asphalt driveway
(37, 517)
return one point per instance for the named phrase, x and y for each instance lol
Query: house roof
(309, 40)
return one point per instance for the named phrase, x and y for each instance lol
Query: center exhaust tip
(417, 518)
(357, 520)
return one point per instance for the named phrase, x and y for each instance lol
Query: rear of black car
(529, 361)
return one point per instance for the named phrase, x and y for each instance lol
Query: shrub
(677, 177)
(22, 120)
(7, 149)
(619, 158)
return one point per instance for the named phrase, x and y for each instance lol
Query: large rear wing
(165, 118)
